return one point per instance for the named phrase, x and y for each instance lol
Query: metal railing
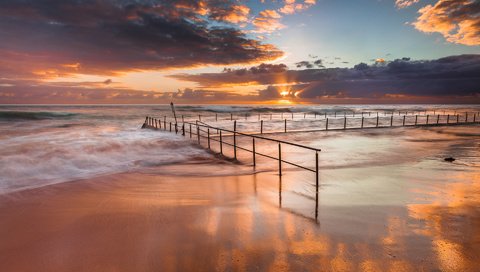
(344, 123)
(317, 115)
(211, 134)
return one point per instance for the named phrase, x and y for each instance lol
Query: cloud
(458, 21)
(230, 13)
(293, 6)
(309, 65)
(267, 21)
(32, 92)
(53, 38)
(450, 78)
(454, 79)
(405, 3)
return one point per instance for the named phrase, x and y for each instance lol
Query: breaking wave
(31, 115)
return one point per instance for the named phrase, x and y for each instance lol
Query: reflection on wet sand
(452, 220)
(134, 222)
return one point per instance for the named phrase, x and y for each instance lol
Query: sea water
(47, 144)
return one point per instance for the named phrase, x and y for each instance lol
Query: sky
(236, 52)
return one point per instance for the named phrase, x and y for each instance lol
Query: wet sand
(151, 222)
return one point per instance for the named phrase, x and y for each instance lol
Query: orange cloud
(405, 3)
(292, 6)
(457, 21)
(236, 14)
(268, 21)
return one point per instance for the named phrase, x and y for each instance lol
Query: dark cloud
(106, 36)
(31, 92)
(309, 65)
(305, 64)
(454, 76)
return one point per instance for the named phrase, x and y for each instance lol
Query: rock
(450, 159)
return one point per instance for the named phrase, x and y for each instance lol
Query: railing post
(428, 116)
(391, 120)
(221, 146)
(146, 121)
(316, 171)
(190, 130)
(208, 137)
(403, 124)
(416, 119)
(292, 115)
(261, 126)
(235, 139)
(326, 125)
(285, 125)
(466, 117)
(448, 119)
(165, 122)
(198, 134)
(345, 122)
(170, 126)
(457, 117)
(438, 118)
(253, 148)
(183, 129)
(279, 159)
(362, 120)
(377, 119)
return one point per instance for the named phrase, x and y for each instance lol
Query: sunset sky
(220, 51)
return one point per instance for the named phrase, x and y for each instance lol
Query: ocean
(48, 144)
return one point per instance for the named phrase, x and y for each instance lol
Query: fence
(344, 123)
(204, 132)
(317, 115)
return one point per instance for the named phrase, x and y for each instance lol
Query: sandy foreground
(151, 222)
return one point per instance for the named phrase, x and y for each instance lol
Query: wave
(55, 156)
(32, 115)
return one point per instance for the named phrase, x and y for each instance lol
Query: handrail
(258, 137)
(201, 127)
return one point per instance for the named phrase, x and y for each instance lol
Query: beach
(387, 201)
